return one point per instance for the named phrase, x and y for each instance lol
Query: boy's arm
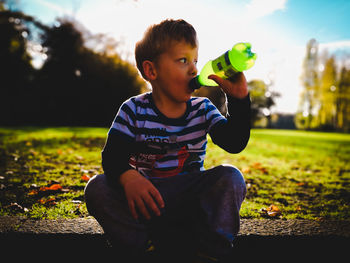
(139, 191)
(233, 134)
(115, 157)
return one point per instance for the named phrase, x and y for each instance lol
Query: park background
(68, 65)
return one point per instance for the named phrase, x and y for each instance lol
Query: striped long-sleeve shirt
(142, 138)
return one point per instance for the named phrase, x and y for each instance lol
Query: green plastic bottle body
(238, 59)
(205, 72)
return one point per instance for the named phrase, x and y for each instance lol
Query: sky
(277, 29)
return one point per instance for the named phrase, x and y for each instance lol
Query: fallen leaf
(79, 157)
(246, 170)
(48, 202)
(85, 178)
(33, 152)
(33, 192)
(45, 190)
(264, 170)
(273, 208)
(54, 187)
(302, 184)
(272, 211)
(258, 166)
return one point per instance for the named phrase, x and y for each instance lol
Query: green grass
(304, 174)
(31, 158)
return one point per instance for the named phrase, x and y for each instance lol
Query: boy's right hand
(141, 193)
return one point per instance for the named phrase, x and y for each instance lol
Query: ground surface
(82, 239)
(289, 174)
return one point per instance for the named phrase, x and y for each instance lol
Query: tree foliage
(76, 85)
(262, 101)
(310, 82)
(325, 98)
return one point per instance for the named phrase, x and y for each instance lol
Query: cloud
(344, 44)
(261, 8)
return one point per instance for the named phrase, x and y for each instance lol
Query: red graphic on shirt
(143, 161)
(182, 155)
(147, 161)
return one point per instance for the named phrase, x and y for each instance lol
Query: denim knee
(231, 175)
(93, 184)
(93, 189)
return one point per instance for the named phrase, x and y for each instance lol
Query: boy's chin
(190, 91)
(187, 97)
(183, 99)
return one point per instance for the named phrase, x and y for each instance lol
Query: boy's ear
(149, 70)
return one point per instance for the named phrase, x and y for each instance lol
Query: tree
(76, 84)
(327, 95)
(17, 72)
(343, 101)
(310, 80)
(262, 100)
(86, 87)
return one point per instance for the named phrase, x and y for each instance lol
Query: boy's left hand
(235, 87)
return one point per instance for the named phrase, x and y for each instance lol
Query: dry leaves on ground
(272, 212)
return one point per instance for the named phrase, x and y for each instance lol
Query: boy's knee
(232, 173)
(94, 186)
(233, 176)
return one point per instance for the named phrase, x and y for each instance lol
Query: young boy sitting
(154, 185)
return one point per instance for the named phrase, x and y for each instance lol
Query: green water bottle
(238, 59)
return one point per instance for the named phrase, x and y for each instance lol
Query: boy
(154, 185)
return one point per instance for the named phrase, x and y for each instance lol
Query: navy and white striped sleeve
(124, 122)
(213, 115)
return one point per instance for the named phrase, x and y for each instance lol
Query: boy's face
(175, 68)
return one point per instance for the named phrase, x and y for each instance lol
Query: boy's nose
(194, 70)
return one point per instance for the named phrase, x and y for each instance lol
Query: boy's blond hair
(158, 38)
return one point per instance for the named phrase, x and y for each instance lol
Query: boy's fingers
(132, 209)
(217, 79)
(151, 204)
(235, 86)
(156, 195)
(141, 206)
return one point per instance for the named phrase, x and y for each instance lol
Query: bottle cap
(194, 83)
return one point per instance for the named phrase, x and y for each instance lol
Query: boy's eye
(183, 60)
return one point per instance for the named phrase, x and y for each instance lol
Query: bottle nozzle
(194, 83)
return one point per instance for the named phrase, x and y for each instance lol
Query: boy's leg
(109, 207)
(221, 205)
(208, 202)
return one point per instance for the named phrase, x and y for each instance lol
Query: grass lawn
(289, 174)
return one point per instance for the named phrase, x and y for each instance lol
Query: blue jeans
(201, 208)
